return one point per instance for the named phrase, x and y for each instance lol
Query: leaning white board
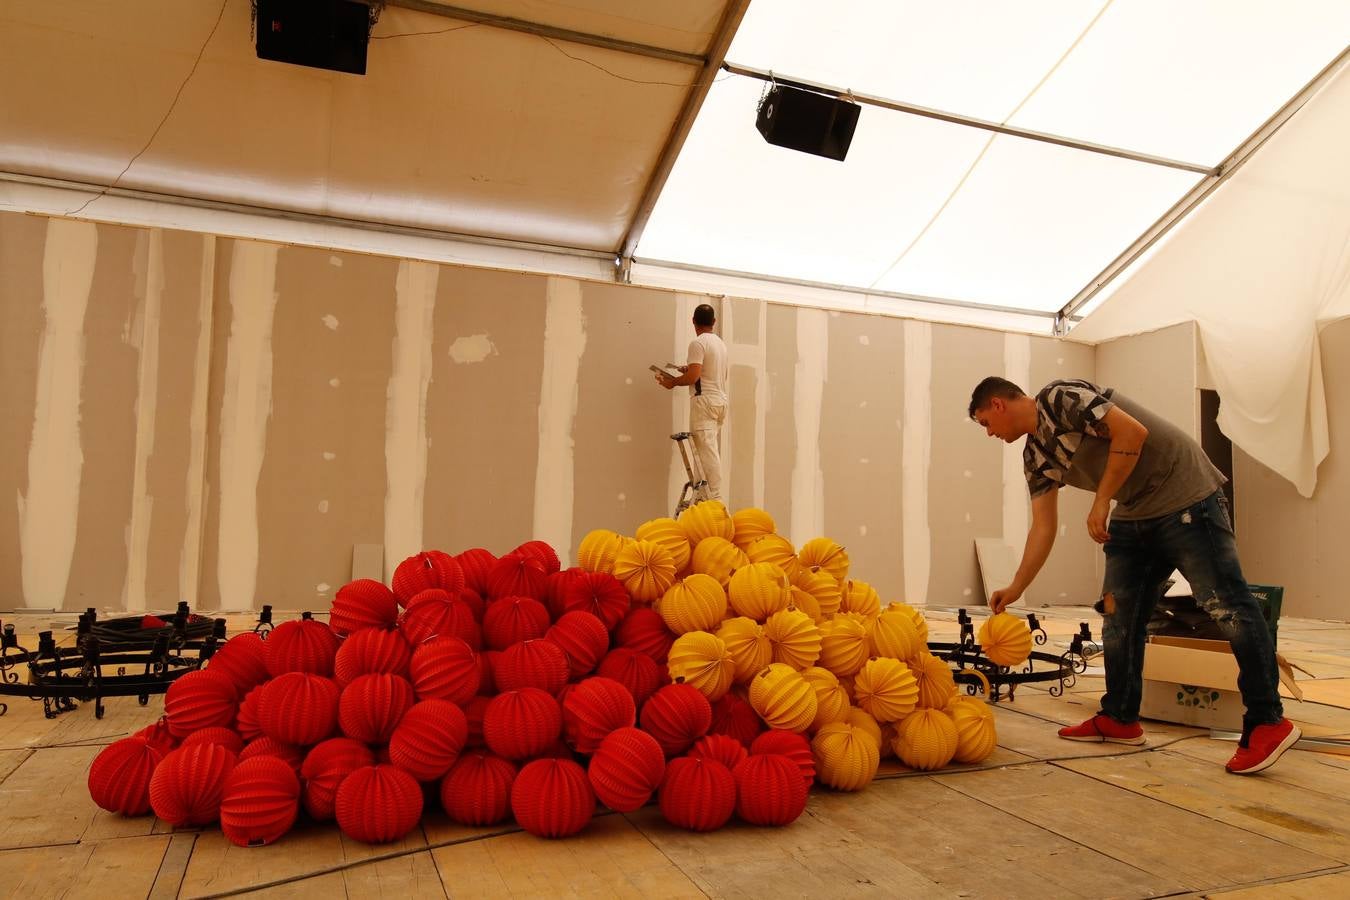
(998, 564)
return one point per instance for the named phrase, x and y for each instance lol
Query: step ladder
(696, 488)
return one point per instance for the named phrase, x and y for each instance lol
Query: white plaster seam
(49, 511)
(564, 344)
(809, 375)
(405, 430)
(679, 397)
(147, 388)
(916, 460)
(246, 407)
(189, 562)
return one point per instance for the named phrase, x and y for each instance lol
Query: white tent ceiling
(560, 133)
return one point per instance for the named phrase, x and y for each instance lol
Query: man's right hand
(1003, 598)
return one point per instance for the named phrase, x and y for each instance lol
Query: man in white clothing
(706, 375)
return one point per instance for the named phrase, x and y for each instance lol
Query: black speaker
(806, 121)
(323, 34)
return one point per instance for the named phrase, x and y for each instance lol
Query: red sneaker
(1104, 729)
(1265, 745)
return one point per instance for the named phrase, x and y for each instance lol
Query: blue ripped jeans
(1140, 556)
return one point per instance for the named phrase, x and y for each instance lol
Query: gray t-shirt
(1067, 448)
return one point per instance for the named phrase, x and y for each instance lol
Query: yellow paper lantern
(717, 557)
(795, 638)
(886, 688)
(646, 570)
(861, 598)
(758, 590)
(824, 553)
(844, 647)
(976, 733)
(846, 756)
(888, 739)
(823, 586)
(920, 623)
(701, 659)
(705, 519)
(776, 549)
(862, 719)
(832, 703)
(805, 602)
(936, 684)
(598, 549)
(926, 739)
(695, 603)
(749, 525)
(892, 634)
(1005, 639)
(749, 648)
(669, 534)
(783, 698)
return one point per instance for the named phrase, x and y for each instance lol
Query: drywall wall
(1159, 369)
(221, 420)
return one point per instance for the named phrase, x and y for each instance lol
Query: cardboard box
(1191, 681)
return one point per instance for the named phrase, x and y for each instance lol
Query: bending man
(1170, 514)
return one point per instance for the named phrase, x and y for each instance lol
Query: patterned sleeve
(1038, 482)
(1074, 406)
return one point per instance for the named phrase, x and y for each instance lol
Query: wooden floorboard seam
(1265, 882)
(648, 838)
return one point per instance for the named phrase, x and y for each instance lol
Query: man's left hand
(665, 380)
(1097, 521)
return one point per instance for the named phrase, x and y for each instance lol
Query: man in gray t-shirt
(1170, 514)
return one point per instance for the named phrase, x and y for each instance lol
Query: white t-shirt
(708, 351)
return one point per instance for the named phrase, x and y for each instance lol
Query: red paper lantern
(371, 650)
(431, 569)
(723, 748)
(542, 551)
(476, 564)
(552, 599)
(473, 716)
(643, 630)
(597, 593)
(790, 744)
(551, 798)
(513, 619)
(593, 709)
(445, 668)
(429, 739)
(474, 601)
(520, 724)
(261, 801)
(158, 735)
(243, 658)
(270, 746)
(676, 715)
(299, 708)
(627, 769)
(635, 671)
(477, 789)
(378, 804)
(201, 699)
(371, 707)
(119, 779)
(538, 663)
(769, 789)
(246, 723)
(517, 575)
(363, 603)
(487, 679)
(323, 770)
(301, 645)
(189, 783)
(437, 613)
(698, 794)
(733, 715)
(225, 737)
(583, 639)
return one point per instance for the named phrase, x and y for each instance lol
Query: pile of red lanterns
(499, 687)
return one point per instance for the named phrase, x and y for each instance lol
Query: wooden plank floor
(1041, 817)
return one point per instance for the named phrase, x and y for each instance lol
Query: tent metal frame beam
(1067, 314)
(717, 52)
(286, 214)
(969, 121)
(549, 31)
